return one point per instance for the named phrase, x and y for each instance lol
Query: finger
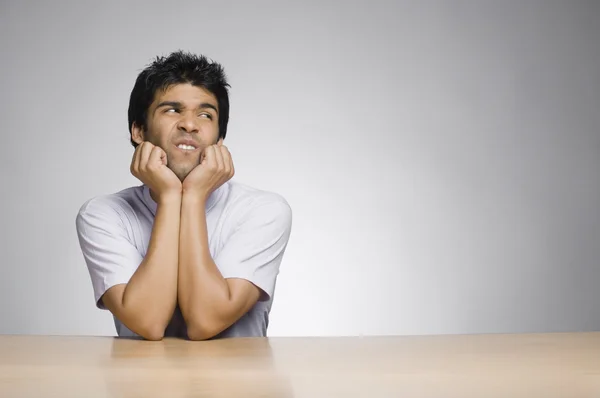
(204, 156)
(219, 158)
(209, 157)
(157, 156)
(145, 154)
(227, 160)
(220, 142)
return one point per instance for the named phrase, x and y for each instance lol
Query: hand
(149, 165)
(215, 168)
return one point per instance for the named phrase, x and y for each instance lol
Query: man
(189, 253)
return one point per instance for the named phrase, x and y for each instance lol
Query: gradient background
(442, 158)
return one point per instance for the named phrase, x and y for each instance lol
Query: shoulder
(246, 203)
(108, 208)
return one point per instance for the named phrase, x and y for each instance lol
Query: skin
(178, 267)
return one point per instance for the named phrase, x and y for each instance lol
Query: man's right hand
(149, 165)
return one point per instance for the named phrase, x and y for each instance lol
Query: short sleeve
(255, 249)
(110, 256)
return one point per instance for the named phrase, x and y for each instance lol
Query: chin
(181, 173)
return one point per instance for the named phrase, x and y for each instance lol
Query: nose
(188, 123)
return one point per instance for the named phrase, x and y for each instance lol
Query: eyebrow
(179, 105)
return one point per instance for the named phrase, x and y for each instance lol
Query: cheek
(162, 129)
(166, 124)
(212, 128)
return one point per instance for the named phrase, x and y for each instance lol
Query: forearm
(150, 297)
(202, 291)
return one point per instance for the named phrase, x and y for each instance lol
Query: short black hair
(179, 67)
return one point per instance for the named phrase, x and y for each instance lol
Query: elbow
(199, 331)
(153, 332)
(196, 333)
(153, 336)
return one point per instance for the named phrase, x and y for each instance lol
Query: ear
(137, 133)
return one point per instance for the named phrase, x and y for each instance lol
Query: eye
(170, 110)
(206, 115)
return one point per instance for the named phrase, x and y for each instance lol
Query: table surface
(493, 365)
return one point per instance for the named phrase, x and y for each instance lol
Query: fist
(215, 168)
(149, 165)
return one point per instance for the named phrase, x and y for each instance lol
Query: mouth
(186, 148)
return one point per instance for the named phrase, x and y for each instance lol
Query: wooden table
(527, 365)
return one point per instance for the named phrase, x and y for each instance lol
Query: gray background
(442, 158)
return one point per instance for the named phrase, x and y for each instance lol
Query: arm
(214, 293)
(209, 302)
(146, 303)
(143, 299)
(139, 292)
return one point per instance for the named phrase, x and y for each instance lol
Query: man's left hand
(215, 169)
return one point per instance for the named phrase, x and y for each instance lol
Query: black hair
(178, 68)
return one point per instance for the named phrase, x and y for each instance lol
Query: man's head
(178, 102)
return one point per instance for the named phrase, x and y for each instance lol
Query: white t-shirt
(248, 231)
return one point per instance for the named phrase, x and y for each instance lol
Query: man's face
(183, 121)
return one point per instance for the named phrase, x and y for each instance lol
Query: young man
(189, 253)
